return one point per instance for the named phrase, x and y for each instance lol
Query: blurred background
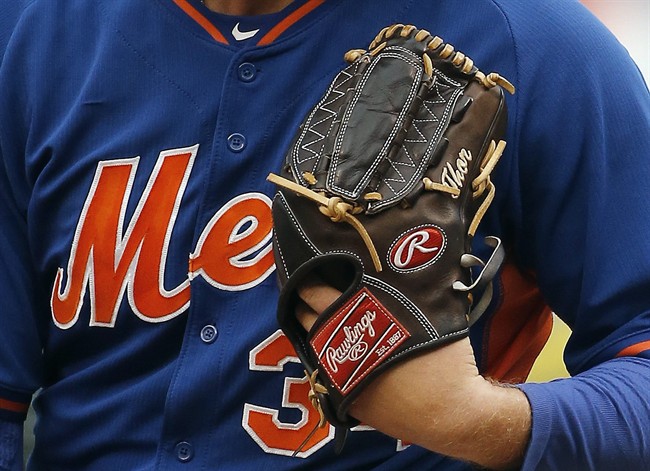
(629, 20)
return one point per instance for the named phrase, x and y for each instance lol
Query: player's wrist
(494, 427)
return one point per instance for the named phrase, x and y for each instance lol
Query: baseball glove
(381, 193)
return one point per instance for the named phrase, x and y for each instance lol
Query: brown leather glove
(381, 193)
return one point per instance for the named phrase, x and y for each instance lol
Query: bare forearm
(500, 419)
(465, 417)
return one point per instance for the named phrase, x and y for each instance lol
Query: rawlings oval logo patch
(416, 248)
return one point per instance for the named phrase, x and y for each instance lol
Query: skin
(448, 407)
(246, 7)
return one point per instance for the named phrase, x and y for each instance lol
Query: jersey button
(184, 452)
(236, 142)
(209, 333)
(247, 72)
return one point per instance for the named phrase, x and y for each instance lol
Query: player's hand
(438, 399)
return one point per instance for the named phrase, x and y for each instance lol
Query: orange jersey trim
(634, 350)
(518, 330)
(201, 20)
(14, 406)
(268, 38)
(290, 20)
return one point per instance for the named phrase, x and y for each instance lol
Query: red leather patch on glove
(356, 339)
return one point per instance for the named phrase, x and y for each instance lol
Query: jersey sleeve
(11, 10)
(583, 168)
(20, 343)
(595, 420)
(583, 131)
(11, 446)
(20, 346)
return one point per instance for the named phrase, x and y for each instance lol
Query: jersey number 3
(263, 424)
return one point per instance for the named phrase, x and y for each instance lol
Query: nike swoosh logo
(241, 35)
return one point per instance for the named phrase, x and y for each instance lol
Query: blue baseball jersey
(138, 281)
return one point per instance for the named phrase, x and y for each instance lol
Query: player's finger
(317, 294)
(305, 315)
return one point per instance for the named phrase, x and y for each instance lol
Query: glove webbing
(445, 51)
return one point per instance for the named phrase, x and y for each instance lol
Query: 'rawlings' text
(352, 348)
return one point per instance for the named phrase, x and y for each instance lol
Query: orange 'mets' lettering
(108, 263)
(234, 251)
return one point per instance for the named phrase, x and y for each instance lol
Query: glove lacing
(433, 44)
(315, 388)
(481, 183)
(334, 208)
